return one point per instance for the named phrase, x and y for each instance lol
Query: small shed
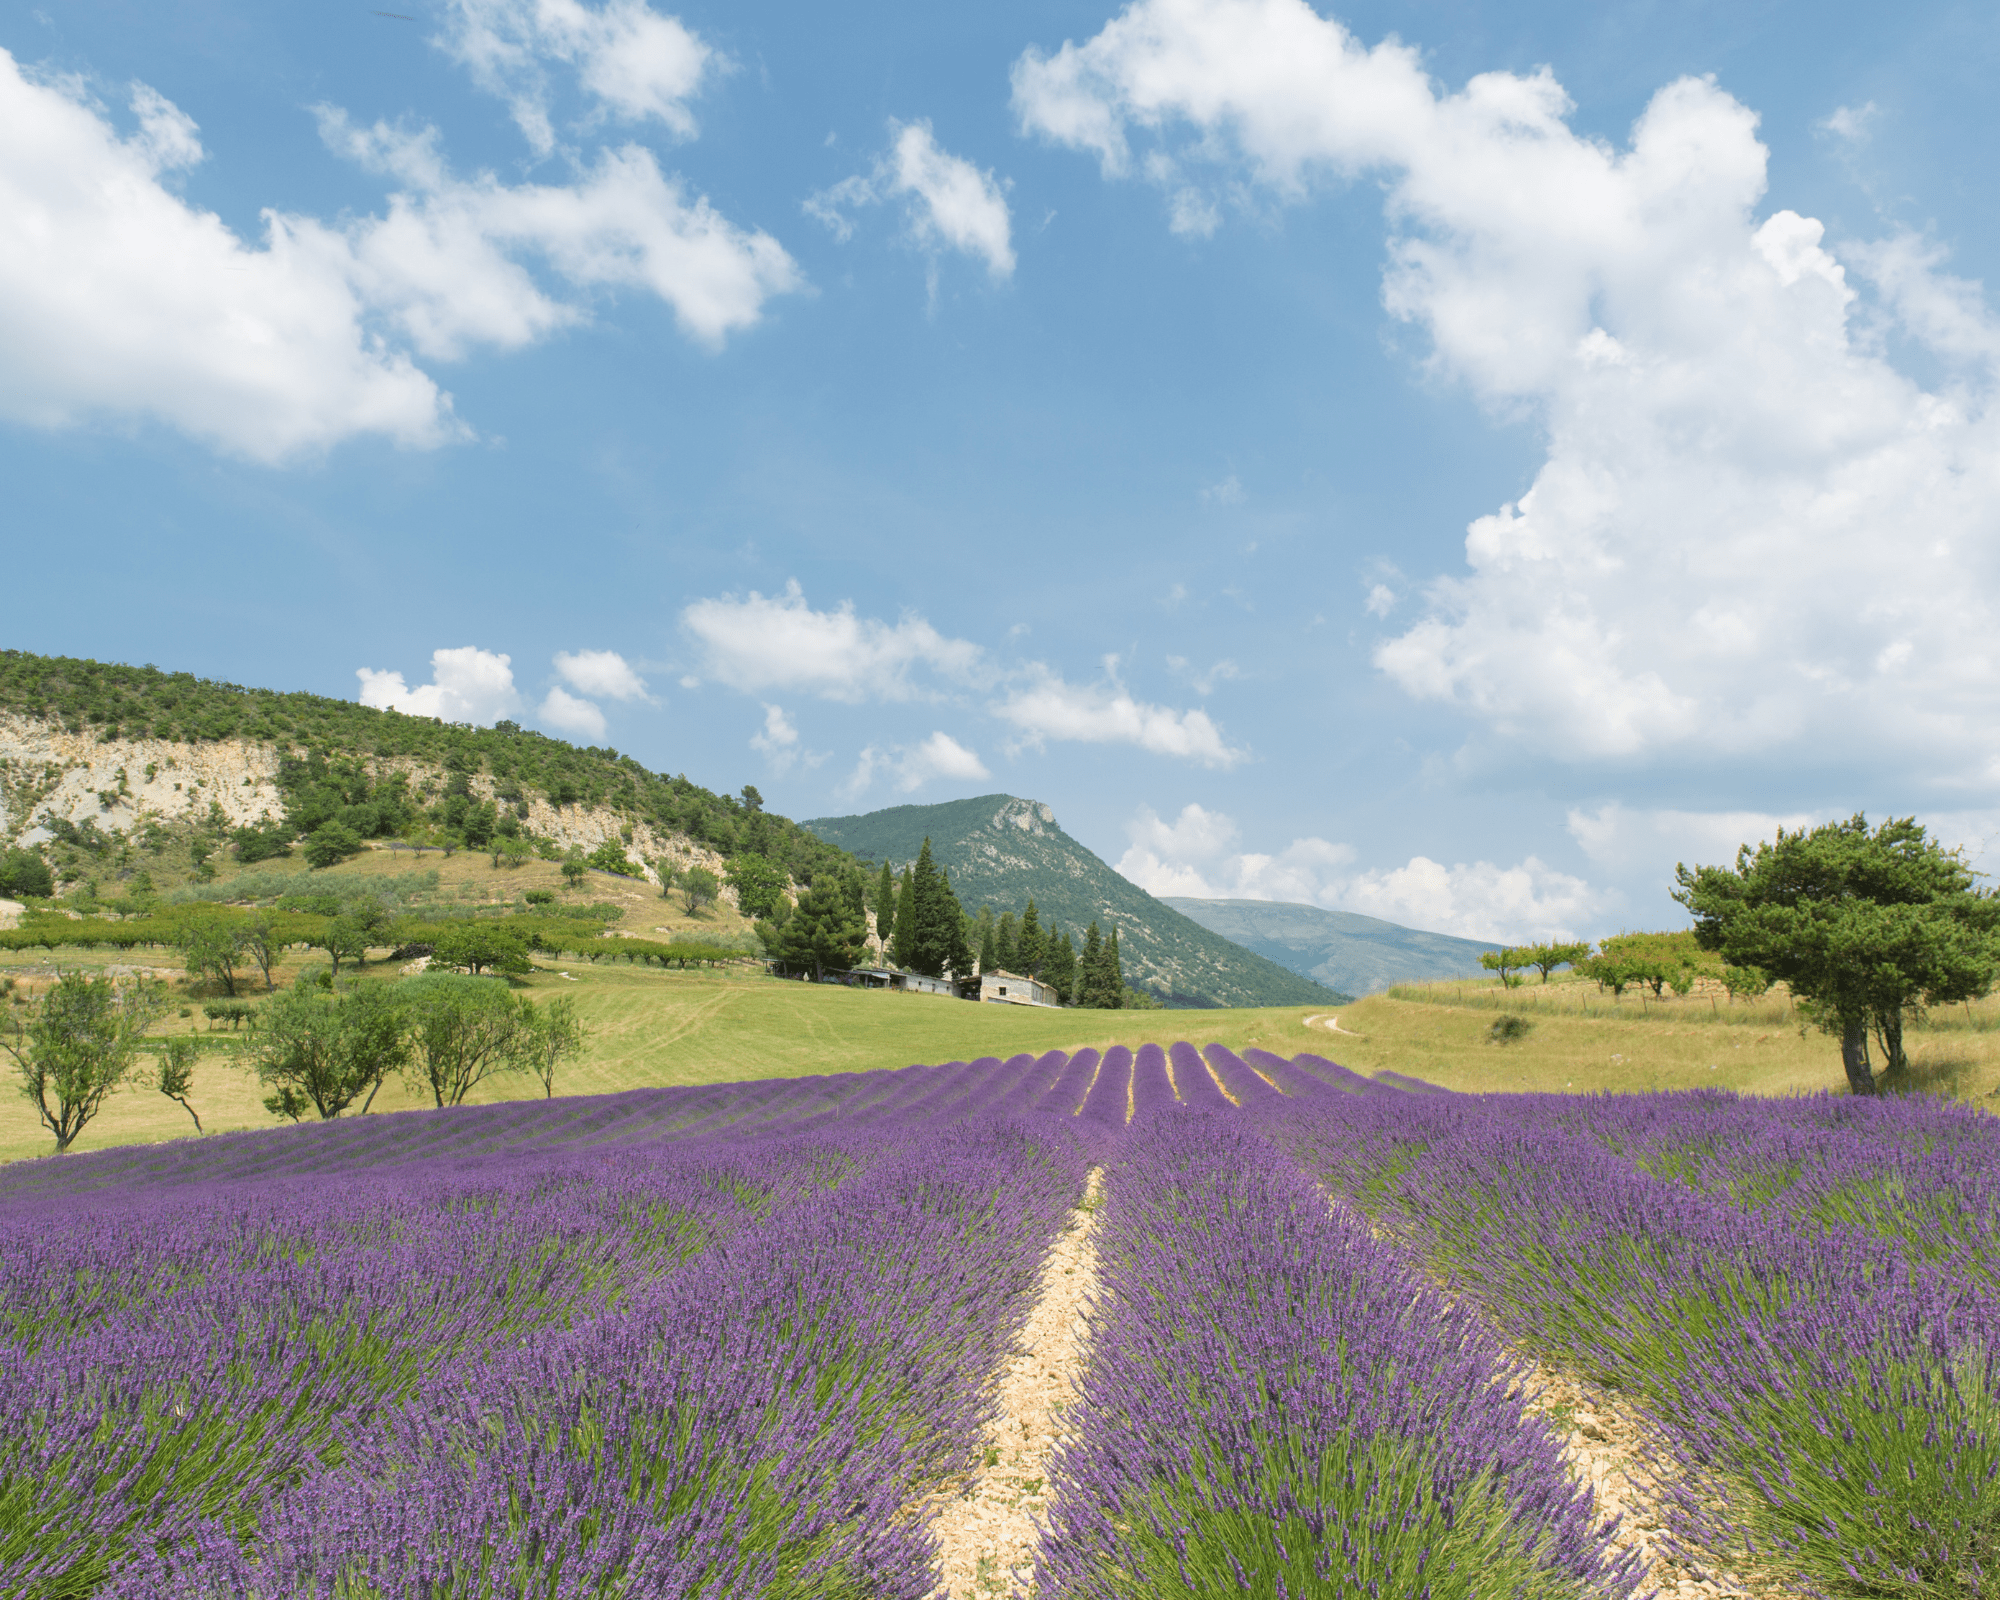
(1001, 987)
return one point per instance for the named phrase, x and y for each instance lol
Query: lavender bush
(1824, 1397)
(1276, 1404)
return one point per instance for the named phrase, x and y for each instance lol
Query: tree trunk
(1854, 1057)
(1895, 1064)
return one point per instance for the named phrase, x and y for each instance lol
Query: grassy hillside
(1002, 851)
(1345, 951)
(321, 744)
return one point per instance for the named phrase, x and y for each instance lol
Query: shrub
(1509, 1029)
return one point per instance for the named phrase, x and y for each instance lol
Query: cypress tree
(989, 953)
(1059, 967)
(1087, 966)
(885, 905)
(1004, 946)
(1099, 982)
(958, 951)
(904, 949)
(1032, 948)
(937, 935)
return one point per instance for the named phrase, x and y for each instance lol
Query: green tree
(551, 1036)
(987, 940)
(212, 948)
(76, 1047)
(26, 873)
(321, 1049)
(574, 867)
(510, 850)
(1032, 947)
(1545, 958)
(330, 844)
(906, 918)
(937, 942)
(1059, 965)
(463, 1031)
(256, 939)
(885, 905)
(759, 885)
(1089, 964)
(1506, 962)
(670, 875)
(345, 938)
(699, 888)
(1005, 946)
(173, 1075)
(1862, 926)
(481, 947)
(825, 931)
(610, 857)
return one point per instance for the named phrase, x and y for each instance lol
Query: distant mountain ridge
(1341, 949)
(1001, 850)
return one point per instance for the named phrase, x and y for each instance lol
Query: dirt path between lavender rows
(986, 1527)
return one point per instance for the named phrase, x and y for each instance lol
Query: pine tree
(826, 931)
(937, 935)
(958, 950)
(885, 905)
(1059, 966)
(1004, 946)
(1032, 948)
(903, 950)
(1099, 983)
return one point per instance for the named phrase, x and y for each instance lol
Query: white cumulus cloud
(910, 767)
(1047, 707)
(1198, 854)
(118, 299)
(467, 685)
(600, 672)
(1753, 534)
(569, 714)
(758, 643)
(634, 63)
(446, 265)
(950, 203)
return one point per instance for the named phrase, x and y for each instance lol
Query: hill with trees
(104, 765)
(1342, 949)
(1002, 851)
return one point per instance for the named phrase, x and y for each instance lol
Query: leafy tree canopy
(1860, 924)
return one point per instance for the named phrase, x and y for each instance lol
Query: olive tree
(321, 1049)
(173, 1062)
(76, 1046)
(1861, 925)
(550, 1037)
(464, 1031)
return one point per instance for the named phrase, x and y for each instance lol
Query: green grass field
(651, 1027)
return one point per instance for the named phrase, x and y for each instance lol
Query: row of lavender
(1279, 1404)
(717, 1367)
(642, 1118)
(1799, 1297)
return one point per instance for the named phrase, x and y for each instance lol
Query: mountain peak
(1003, 850)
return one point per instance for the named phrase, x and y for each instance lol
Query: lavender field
(747, 1340)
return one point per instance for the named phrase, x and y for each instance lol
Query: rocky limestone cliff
(121, 784)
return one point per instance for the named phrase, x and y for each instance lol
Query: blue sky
(1442, 461)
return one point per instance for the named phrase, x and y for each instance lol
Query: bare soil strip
(1605, 1447)
(986, 1522)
